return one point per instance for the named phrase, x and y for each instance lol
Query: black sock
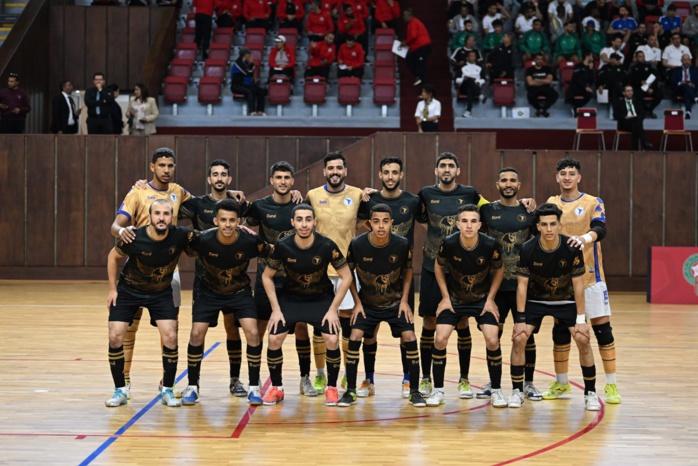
(589, 374)
(303, 350)
(345, 323)
(405, 362)
(494, 366)
(517, 377)
(426, 345)
(234, 357)
(116, 364)
(439, 366)
(465, 347)
(353, 363)
(370, 359)
(275, 361)
(412, 361)
(170, 356)
(254, 362)
(530, 358)
(334, 361)
(194, 356)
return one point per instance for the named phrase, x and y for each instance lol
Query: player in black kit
(225, 253)
(551, 283)
(507, 221)
(145, 281)
(468, 290)
(382, 261)
(306, 296)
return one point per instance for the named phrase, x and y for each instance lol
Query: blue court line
(136, 417)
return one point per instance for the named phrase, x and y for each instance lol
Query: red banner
(673, 275)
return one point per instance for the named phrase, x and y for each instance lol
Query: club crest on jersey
(563, 263)
(317, 260)
(172, 250)
(578, 211)
(522, 218)
(403, 210)
(173, 196)
(480, 260)
(348, 201)
(239, 255)
(392, 259)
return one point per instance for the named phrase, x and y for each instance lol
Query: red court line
(248, 414)
(136, 436)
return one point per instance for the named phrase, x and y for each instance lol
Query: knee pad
(561, 334)
(604, 333)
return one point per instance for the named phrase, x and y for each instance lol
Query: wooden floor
(55, 379)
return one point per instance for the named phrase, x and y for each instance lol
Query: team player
(474, 263)
(307, 296)
(584, 221)
(551, 283)
(382, 261)
(145, 281)
(508, 221)
(404, 207)
(224, 254)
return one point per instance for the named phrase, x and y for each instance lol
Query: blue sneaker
(190, 395)
(120, 397)
(167, 397)
(254, 398)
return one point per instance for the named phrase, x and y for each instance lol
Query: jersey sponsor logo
(173, 196)
(239, 255)
(146, 253)
(150, 198)
(212, 254)
(521, 218)
(578, 211)
(367, 259)
(208, 211)
(480, 260)
(538, 264)
(435, 201)
(291, 260)
(496, 217)
(322, 201)
(317, 260)
(348, 201)
(271, 215)
(392, 259)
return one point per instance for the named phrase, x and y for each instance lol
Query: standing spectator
(319, 23)
(670, 22)
(282, 58)
(470, 83)
(350, 24)
(65, 113)
(615, 47)
(494, 38)
(649, 7)
(350, 59)
(428, 111)
(628, 111)
(567, 47)
(98, 100)
(534, 42)
(674, 52)
(593, 40)
(684, 80)
(387, 14)
(538, 83)
(653, 54)
(244, 80)
(495, 11)
(524, 22)
(229, 14)
(580, 89)
(321, 57)
(117, 117)
(14, 106)
(612, 77)
(290, 14)
(640, 71)
(256, 13)
(690, 26)
(143, 111)
(419, 44)
(501, 60)
(202, 24)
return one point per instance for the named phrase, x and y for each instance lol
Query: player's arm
(332, 316)
(270, 289)
(445, 302)
(237, 195)
(122, 228)
(405, 301)
(596, 233)
(578, 285)
(113, 273)
(529, 203)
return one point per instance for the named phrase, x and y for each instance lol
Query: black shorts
(261, 300)
(304, 309)
(566, 314)
(207, 304)
(505, 301)
(429, 294)
(160, 304)
(368, 324)
(467, 310)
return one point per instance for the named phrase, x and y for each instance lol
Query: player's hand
(140, 184)
(519, 328)
(276, 317)
(237, 195)
(366, 196)
(111, 298)
(490, 307)
(444, 305)
(405, 309)
(332, 318)
(296, 196)
(576, 242)
(583, 329)
(128, 234)
(358, 309)
(247, 229)
(530, 204)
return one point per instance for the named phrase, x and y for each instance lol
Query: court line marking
(248, 414)
(107, 443)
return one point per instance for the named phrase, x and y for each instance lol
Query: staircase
(10, 10)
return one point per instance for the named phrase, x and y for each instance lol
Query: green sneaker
(555, 390)
(464, 390)
(425, 387)
(612, 395)
(343, 382)
(348, 399)
(320, 383)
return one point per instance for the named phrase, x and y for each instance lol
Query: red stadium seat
(188, 35)
(219, 50)
(566, 71)
(186, 50)
(210, 90)
(291, 35)
(315, 90)
(683, 10)
(383, 39)
(255, 38)
(214, 67)
(223, 35)
(279, 90)
(384, 58)
(349, 91)
(503, 92)
(650, 20)
(181, 67)
(384, 71)
(256, 57)
(384, 90)
(175, 89)
(674, 126)
(586, 124)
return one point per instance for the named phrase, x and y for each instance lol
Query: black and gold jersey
(468, 279)
(550, 273)
(511, 227)
(306, 269)
(439, 209)
(152, 263)
(274, 221)
(225, 265)
(199, 209)
(405, 208)
(379, 269)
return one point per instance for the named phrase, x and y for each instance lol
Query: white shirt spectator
(597, 23)
(652, 54)
(434, 109)
(488, 20)
(673, 55)
(524, 25)
(608, 51)
(471, 70)
(552, 9)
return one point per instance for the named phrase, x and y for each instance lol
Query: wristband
(519, 317)
(581, 319)
(121, 230)
(587, 238)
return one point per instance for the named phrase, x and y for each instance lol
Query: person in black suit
(117, 116)
(98, 100)
(684, 82)
(65, 113)
(630, 113)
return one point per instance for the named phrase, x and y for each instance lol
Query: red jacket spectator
(290, 53)
(353, 56)
(281, 9)
(319, 23)
(384, 12)
(234, 7)
(256, 9)
(203, 7)
(321, 51)
(417, 35)
(329, 5)
(360, 8)
(352, 26)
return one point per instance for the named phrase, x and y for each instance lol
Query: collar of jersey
(335, 192)
(572, 200)
(156, 189)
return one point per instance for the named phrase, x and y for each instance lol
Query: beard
(219, 190)
(508, 196)
(161, 230)
(338, 183)
(397, 185)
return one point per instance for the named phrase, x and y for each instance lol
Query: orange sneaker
(274, 396)
(331, 396)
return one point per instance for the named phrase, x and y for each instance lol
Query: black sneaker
(545, 113)
(417, 400)
(538, 113)
(348, 399)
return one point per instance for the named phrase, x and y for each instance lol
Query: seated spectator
(229, 14)
(615, 47)
(256, 13)
(350, 59)
(567, 47)
(595, 19)
(524, 22)
(684, 80)
(640, 71)
(428, 111)
(690, 26)
(624, 24)
(670, 22)
(142, 112)
(457, 24)
(387, 14)
(628, 111)
(244, 80)
(553, 12)
(318, 23)
(673, 53)
(593, 40)
(501, 60)
(350, 24)
(557, 23)
(538, 83)
(580, 90)
(604, 12)
(612, 77)
(290, 14)
(653, 54)
(321, 56)
(331, 7)
(495, 11)
(360, 9)
(470, 83)
(461, 37)
(282, 59)
(649, 7)
(494, 38)
(637, 38)
(459, 58)
(663, 37)
(534, 42)
(454, 7)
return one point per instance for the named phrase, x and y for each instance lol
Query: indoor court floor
(55, 379)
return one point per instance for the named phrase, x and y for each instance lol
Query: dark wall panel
(41, 172)
(484, 167)
(12, 181)
(70, 195)
(56, 58)
(419, 161)
(387, 145)
(101, 199)
(97, 46)
(224, 148)
(280, 149)
(522, 160)
(252, 164)
(339, 143)
(615, 193)
(359, 172)
(454, 143)
(74, 45)
(546, 185)
(310, 151)
(680, 219)
(647, 207)
(191, 164)
(117, 57)
(138, 47)
(132, 163)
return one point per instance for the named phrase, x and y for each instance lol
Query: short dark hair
(281, 167)
(616, 36)
(334, 156)
(389, 160)
(160, 201)
(468, 208)
(229, 205)
(430, 89)
(508, 169)
(547, 209)
(98, 73)
(538, 55)
(568, 162)
(217, 162)
(447, 156)
(163, 152)
(380, 208)
(63, 83)
(113, 87)
(536, 20)
(408, 10)
(671, 7)
(144, 91)
(303, 206)
(497, 22)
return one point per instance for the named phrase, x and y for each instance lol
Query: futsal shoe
(425, 387)
(119, 398)
(417, 400)
(532, 392)
(237, 388)
(437, 398)
(591, 402)
(556, 390)
(348, 399)
(343, 382)
(405, 388)
(464, 390)
(307, 388)
(274, 396)
(190, 395)
(167, 397)
(366, 389)
(612, 395)
(516, 400)
(485, 392)
(331, 396)
(320, 383)
(177, 393)
(254, 398)
(497, 399)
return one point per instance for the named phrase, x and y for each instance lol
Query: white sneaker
(119, 398)
(532, 392)
(516, 400)
(425, 387)
(366, 389)
(591, 402)
(497, 398)
(167, 397)
(436, 398)
(467, 114)
(485, 393)
(464, 390)
(307, 388)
